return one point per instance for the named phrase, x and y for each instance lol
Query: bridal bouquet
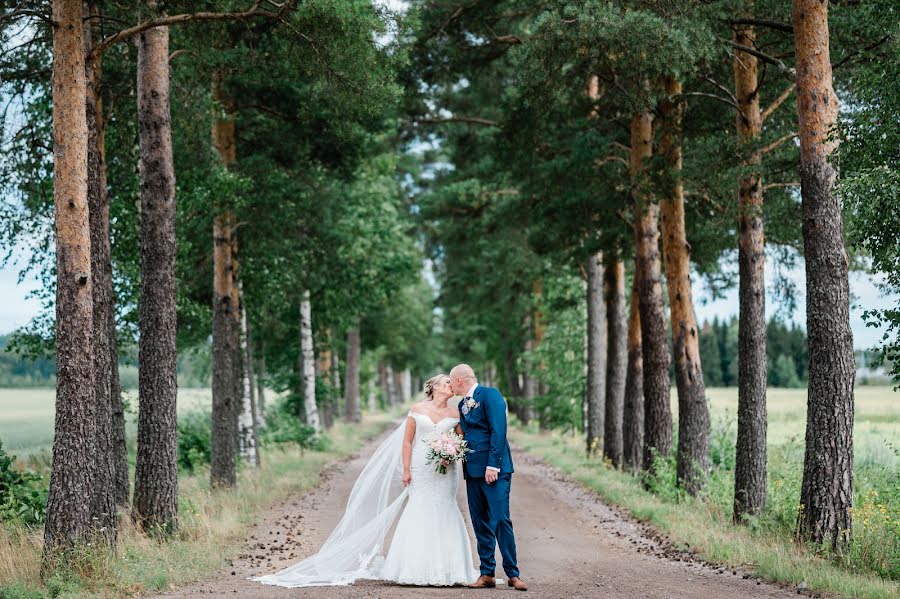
(445, 448)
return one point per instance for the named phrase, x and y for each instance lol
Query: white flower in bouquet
(444, 449)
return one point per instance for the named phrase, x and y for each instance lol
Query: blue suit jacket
(484, 428)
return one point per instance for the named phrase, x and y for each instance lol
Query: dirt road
(570, 545)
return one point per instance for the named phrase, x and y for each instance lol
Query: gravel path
(570, 544)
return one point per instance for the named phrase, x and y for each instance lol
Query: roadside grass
(766, 545)
(212, 526)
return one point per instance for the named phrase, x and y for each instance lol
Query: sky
(16, 308)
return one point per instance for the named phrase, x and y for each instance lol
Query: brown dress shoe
(517, 583)
(484, 582)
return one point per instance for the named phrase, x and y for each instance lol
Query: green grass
(212, 525)
(766, 546)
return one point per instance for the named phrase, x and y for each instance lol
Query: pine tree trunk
(633, 412)
(616, 357)
(308, 364)
(657, 410)
(750, 451)
(826, 495)
(223, 448)
(68, 506)
(351, 384)
(248, 438)
(156, 471)
(103, 498)
(693, 414)
(595, 392)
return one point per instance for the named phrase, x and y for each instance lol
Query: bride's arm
(408, 437)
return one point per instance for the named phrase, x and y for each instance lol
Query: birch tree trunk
(596, 357)
(657, 411)
(103, 496)
(351, 383)
(693, 414)
(633, 412)
(156, 471)
(68, 506)
(261, 383)
(308, 364)
(248, 438)
(826, 494)
(751, 450)
(406, 377)
(392, 395)
(616, 357)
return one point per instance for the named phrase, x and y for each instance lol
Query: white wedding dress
(430, 546)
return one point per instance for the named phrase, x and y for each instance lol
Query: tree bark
(308, 365)
(393, 398)
(406, 377)
(251, 382)
(103, 497)
(247, 436)
(156, 471)
(693, 414)
(750, 450)
(238, 370)
(616, 357)
(371, 400)
(595, 392)
(68, 506)
(657, 410)
(633, 412)
(261, 384)
(826, 495)
(224, 340)
(351, 382)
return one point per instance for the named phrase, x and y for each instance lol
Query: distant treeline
(19, 371)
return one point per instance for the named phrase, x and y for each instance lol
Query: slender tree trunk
(103, 497)
(261, 382)
(68, 506)
(616, 357)
(596, 357)
(392, 395)
(750, 452)
(826, 495)
(248, 437)
(383, 382)
(237, 373)
(251, 383)
(371, 400)
(223, 449)
(633, 413)
(529, 381)
(308, 364)
(351, 383)
(657, 410)
(693, 413)
(337, 395)
(406, 377)
(156, 471)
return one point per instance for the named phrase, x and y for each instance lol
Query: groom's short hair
(463, 371)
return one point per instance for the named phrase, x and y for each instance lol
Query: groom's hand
(490, 476)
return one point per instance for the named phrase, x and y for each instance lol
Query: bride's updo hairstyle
(429, 386)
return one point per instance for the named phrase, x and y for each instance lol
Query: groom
(488, 472)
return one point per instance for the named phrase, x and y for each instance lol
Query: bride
(430, 546)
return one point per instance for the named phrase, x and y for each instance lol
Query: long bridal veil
(354, 550)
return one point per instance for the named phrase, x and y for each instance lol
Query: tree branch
(774, 185)
(768, 148)
(778, 102)
(253, 11)
(19, 11)
(714, 97)
(777, 25)
(855, 53)
(785, 70)
(610, 158)
(473, 120)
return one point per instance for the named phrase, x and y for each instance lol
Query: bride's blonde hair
(428, 388)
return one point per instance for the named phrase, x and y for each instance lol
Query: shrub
(283, 426)
(194, 440)
(23, 493)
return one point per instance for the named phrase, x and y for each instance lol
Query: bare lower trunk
(750, 450)
(693, 415)
(224, 342)
(616, 358)
(68, 512)
(156, 472)
(250, 373)
(633, 412)
(351, 382)
(529, 387)
(391, 387)
(261, 384)
(406, 377)
(371, 400)
(826, 494)
(308, 365)
(103, 498)
(595, 393)
(247, 437)
(657, 411)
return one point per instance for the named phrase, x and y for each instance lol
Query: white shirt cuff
(493, 468)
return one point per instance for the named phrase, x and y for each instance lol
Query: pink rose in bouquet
(444, 449)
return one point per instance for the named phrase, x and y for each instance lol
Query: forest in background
(277, 184)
